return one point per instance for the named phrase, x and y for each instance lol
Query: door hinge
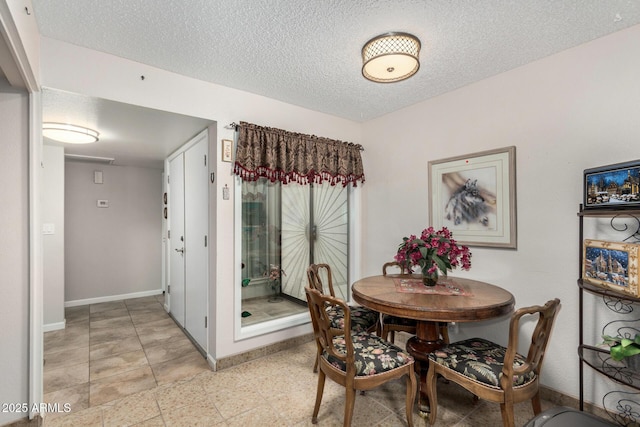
(168, 180)
(213, 177)
(168, 234)
(205, 321)
(205, 160)
(205, 241)
(168, 289)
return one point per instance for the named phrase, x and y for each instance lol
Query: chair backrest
(396, 264)
(320, 306)
(315, 272)
(539, 340)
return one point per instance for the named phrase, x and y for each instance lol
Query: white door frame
(176, 242)
(19, 37)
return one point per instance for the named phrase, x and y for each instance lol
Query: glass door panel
(295, 239)
(288, 227)
(314, 230)
(330, 246)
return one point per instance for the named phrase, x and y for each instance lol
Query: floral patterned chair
(362, 318)
(392, 324)
(355, 360)
(493, 372)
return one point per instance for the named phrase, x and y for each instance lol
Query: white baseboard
(112, 298)
(213, 363)
(54, 326)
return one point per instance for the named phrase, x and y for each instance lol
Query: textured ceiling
(307, 53)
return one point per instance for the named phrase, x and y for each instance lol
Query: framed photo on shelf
(614, 186)
(474, 196)
(611, 265)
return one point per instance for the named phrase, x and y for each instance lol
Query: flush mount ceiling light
(390, 57)
(69, 133)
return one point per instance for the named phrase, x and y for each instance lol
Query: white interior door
(176, 239)
(196, 175)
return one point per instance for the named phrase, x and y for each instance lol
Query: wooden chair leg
(315, 365)
(319, 392)
(412, 386)
(508, 418)
(433, 395)
(349, 405)
(535, 404)
(444, 332)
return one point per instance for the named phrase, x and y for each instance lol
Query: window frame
(258, 329)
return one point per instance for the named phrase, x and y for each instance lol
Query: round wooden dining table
(454, 299)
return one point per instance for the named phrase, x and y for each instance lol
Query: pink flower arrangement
(433, 251)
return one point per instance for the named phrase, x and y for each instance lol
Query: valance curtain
(285, 156)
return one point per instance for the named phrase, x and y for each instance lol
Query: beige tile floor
(127, 363)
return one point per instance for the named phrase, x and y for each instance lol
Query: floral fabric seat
(400, 321)
(480, 360)
(373, 355)
(358, 361)
(362, 319)
(495, 373)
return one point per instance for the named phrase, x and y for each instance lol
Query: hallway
(112, 350)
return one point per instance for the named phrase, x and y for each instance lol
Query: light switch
(48, 228)
(97, 177)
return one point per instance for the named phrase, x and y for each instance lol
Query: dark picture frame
(474, 196)
(611, 265)
(615, 186)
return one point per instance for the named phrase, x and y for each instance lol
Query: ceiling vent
(89, 159)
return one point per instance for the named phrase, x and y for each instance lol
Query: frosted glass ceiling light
(390, 57)
(69, 133)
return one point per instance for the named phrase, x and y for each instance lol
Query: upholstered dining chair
(355, 360)
(362, 318)
(392, 324)
(493, 372)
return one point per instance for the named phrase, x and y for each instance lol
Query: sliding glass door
(314, 230)
(291, 226)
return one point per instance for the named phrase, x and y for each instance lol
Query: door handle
(181, 250)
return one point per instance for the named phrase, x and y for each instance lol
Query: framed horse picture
(474, 196)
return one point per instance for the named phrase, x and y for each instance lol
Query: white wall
(14, 249)
(116, 250)
(53, 244)
(92, 73)
(571, 111)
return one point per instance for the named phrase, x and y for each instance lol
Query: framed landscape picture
(612, 187)
(474, 196)
(611, 265)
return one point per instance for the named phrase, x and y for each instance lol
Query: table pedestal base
(426, 340)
